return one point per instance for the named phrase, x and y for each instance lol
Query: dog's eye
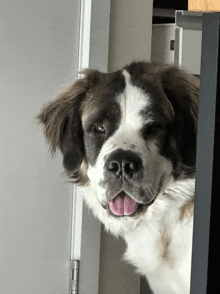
(152, 129)
(98, 128)
(155, 128)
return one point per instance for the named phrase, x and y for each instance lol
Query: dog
(129, 138)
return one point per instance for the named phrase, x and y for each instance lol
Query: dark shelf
(161, 19)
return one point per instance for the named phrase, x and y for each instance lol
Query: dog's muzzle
(124, 171)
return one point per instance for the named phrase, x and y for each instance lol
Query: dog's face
(126, 133)
(123, 140)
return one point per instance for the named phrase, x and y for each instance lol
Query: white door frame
(86, 229)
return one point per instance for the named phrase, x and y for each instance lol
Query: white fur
(168, 274)
(158, 242)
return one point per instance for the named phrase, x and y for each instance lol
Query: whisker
(153, 189)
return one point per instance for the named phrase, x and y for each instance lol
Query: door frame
(86, 229)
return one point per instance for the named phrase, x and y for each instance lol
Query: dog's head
(126, 134)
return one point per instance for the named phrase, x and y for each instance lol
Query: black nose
(124, 164)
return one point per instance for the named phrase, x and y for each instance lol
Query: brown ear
(63, 130)
(182, 90)
(61, 119)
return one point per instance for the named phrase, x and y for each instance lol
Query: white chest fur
(162, 252)
(159, 243)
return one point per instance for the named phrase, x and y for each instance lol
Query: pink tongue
(123, 206)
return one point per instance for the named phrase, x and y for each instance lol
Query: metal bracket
(189, 20)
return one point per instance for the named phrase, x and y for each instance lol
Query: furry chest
(163, 258)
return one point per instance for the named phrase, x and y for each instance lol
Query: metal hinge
(75, 277)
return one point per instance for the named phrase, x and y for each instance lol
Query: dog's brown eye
(98, 128)
(152, 129)
(155, 127)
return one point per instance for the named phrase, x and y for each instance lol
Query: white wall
(38, 52)
(130, 32)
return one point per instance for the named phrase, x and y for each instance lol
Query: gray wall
(38, 52)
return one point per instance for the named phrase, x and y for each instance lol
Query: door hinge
(75, 277)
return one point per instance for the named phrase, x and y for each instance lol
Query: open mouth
(124, 205)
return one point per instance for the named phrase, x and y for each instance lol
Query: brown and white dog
(129, 137)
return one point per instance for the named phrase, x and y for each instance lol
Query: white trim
(85, 32)
(76, 224)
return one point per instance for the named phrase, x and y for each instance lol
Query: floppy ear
(61, 119)
(182, 90)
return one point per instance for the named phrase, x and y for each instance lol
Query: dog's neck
(162, 242)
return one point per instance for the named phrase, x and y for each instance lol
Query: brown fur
(53, 115)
